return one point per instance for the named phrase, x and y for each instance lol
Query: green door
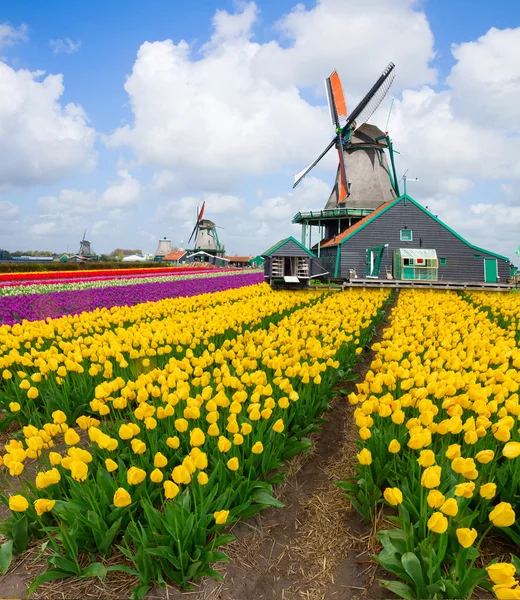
(373, 262)
(490, 270)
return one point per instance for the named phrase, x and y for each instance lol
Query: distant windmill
(205, 235)
(84, 246)
(362, 179)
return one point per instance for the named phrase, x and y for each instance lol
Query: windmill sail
(359, 115)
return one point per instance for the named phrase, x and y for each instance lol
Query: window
(442, 261)
(406, 235)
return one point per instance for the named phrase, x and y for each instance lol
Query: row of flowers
(167, 453)
(122, 275)
(102, 283)
(55, 304)
(45, 275)
(437, 416)
(48, 362)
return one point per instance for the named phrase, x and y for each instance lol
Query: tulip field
(439, 441)
(142, 416)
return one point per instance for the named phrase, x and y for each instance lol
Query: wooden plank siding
(461, 261)
(288, 248)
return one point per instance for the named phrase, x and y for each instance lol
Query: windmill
(205, 235)
(84, 247)
(363, 179)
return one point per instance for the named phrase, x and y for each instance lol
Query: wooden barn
(403, 240)
(289, 262)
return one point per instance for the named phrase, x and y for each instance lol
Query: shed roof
(174, 255)
(284, 241)
(417, 253)
(348, 233)
(243, 259)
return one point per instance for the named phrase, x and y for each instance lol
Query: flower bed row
(45, 275)
(122, 275)
(107, 344)
(37, 306)
(179, 451)
(26, 289)
(437, 416)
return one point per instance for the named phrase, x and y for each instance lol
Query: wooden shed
(403, 240)
(290, 264)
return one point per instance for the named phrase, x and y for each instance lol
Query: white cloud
(312, 193)
(10, 35)
(121, 193)
(186, 207)
(238, 108)
(64, 46)
(41, 140)
(8, 210)
(486, 79)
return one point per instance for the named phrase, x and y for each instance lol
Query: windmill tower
(364, 180)
(164, 247)
(84, 247)
(205, 236)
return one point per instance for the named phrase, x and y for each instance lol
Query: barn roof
(174, 255)
(351, 231)
(243, 259)
(284, 241)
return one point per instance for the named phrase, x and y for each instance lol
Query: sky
(121, 118)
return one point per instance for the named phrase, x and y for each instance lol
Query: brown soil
(316, 548)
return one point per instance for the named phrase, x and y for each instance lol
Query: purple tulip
(35, 307)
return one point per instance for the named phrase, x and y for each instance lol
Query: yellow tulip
(134, 476)
(431, 477)
(71, 437)
(18, 503)
(122, 498)
(181, 425)
(511, 450)
(437, 523)
(435, 499)
(181, 475)
(466, 536)
(394, 446)
(202, 478)
(110, 465)
(170, 489)
(453, 451)
(224, 445)
(488, 490)
(502, 515)
(426, 458)
(160, 460)
(465, 489)
(232, 464)
(173, 442)
(55, 458)
(156, 476)
(126, 432)
(501, 573)
(450, 507)
(79, 470)
(257, 448)
(221, 517)
(14, 406)
(365, 457)
(279, 426)
(197, 437)
(393, 496)
(43, 505)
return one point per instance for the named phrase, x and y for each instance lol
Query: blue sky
(129, 188)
